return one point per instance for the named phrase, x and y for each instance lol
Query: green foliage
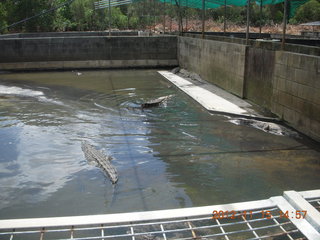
(235, 14)
(3, 17)
(80, 14)
(119, 20)
(62, 19)
(24, 9)
(257, 18)
(238, 15)
(308, 12)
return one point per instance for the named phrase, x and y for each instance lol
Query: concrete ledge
(68, 34)
(302, 224)
(299, 203)
(53, 65)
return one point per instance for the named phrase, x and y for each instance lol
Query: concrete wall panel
(296, 88)
(87, 48)
(217, 62)
(286, 83)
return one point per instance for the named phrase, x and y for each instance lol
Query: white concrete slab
(310, 194)
(299, 203)
(209, 100)
(302, 224)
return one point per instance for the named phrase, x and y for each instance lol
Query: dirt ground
(211, 26)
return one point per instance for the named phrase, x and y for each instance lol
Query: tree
(3, 17)
(82, 14)
(62, 18)
(119, 20)
(23, 9)
(308, 12)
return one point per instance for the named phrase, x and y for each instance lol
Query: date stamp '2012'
(298, 214)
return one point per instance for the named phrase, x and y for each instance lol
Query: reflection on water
(172, 156)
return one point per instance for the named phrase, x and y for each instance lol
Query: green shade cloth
(294, 5)
(209, 4)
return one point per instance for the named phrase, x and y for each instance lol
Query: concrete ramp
(206, 98)
(215, 99)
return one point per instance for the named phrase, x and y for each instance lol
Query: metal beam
(225, 17)
(170, 17)
(109, 11)
(164, 17)
(260, 26)
(112, 4)
(248, 22)
(186, 16)
(203, 17)
(284, 25)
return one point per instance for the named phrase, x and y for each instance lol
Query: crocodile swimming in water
(101, 159)
(155, 102)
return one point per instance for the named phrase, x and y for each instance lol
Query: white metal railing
(245, 220)
(113, 3)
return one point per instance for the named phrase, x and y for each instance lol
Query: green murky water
(176, 155)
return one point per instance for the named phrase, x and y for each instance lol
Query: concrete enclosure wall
(220, 63)
(68, 34)
(68, 52)
(297, 47)
(259, 74)
(296, 91)
(286, 83)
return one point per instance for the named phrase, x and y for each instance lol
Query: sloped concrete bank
(285, 83)
(87, 52)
